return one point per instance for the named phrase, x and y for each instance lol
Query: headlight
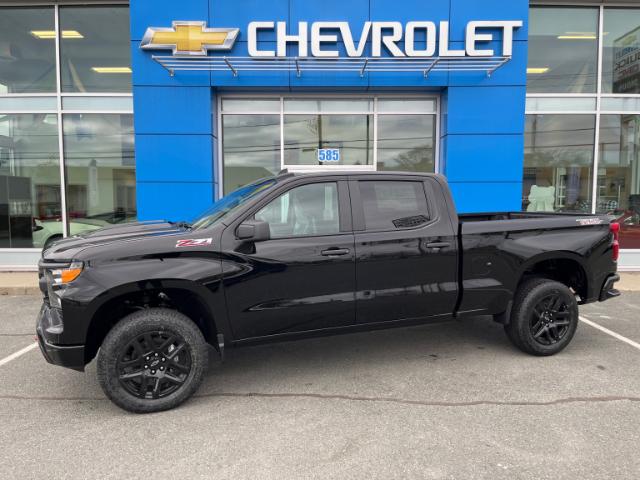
(62, 276)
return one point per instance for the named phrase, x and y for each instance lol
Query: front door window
(309, 210)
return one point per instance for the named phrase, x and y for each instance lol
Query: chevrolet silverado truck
(306, 254)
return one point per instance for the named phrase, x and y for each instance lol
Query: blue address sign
(328, 154)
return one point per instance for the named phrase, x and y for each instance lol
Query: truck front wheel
(544, 317)
(152, 360)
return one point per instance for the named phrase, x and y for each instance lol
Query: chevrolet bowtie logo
(189, 38)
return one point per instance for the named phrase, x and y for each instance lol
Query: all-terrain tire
(544, 317)
(157, 340)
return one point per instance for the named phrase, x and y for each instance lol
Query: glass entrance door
(261, 136)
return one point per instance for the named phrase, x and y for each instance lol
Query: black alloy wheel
(154, 364)
(152, 360)
(544, 317)
(550, 319)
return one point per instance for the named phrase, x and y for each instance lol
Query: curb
(5, 291)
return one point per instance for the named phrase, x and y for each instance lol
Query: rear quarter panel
(494, 262)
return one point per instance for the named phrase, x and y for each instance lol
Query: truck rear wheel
(152, 360)
(544, 317)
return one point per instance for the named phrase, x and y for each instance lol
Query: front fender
(98, 286)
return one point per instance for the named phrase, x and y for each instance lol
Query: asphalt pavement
(451, 401)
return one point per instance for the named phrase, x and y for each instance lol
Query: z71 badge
(193, 242)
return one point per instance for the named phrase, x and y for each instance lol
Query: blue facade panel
(484, 158)
(356, 12)
(486, 110)
(185, 110)
(393, 10)
(175, 158)
(472, 197)
(481, 120)
(174, 201)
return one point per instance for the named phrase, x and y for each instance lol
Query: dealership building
(124, 111)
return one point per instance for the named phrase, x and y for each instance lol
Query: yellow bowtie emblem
(189, 38)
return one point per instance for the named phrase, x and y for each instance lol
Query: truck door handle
(437, 245)
(335, 252)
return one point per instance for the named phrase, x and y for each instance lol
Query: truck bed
(475, 223)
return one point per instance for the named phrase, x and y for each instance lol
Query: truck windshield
(231, 202)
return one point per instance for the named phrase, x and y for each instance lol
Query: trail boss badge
(589, 221)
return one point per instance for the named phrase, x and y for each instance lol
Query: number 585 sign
(328, 154)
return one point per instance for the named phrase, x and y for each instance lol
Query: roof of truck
(340, 173)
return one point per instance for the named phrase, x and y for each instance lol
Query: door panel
(304, 278)
(404, 273)
(292, 285)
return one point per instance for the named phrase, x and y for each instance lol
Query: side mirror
(253, 231)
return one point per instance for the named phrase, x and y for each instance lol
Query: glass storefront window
(621, 55)
(30, 212)
(96, 57)
(406, 142)
(326, 132)
(563, 50)
(254, 105)
(407, 105)
(99, 162)
(350, 135)
(300, 105)
(250, 148)
(559, 154)
(619, 174)
(27, 50)
(100, 170)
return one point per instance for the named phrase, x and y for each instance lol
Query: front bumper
(608, 291)
(69, 356)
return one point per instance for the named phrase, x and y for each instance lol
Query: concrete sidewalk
(26, 283)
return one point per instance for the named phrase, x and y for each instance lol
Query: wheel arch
(185, 296)
(568, 268)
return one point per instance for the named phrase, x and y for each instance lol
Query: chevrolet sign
(194, 39)
(323, 37)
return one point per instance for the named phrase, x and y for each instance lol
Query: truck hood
(113, 236)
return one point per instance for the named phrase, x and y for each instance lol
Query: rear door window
(393, 205)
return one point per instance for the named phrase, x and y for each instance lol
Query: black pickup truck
(310, 254)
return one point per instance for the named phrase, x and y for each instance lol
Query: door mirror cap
(253, 231)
